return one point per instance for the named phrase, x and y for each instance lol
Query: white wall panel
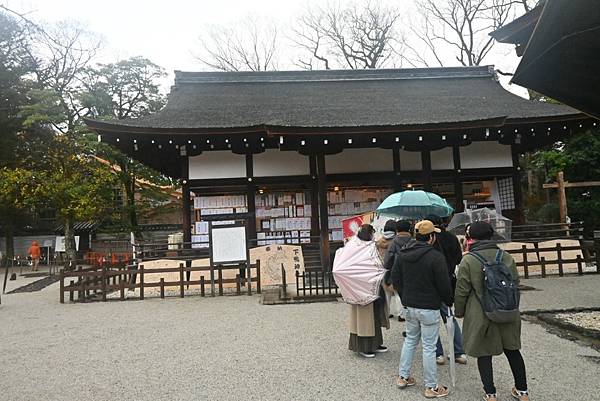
(485, 155)
(360, 161)
(274, 162)
(217, 164)
(442, 159)
(410, 161)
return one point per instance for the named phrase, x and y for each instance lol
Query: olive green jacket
(482, 337)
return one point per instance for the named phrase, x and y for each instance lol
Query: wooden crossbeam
(568, 184)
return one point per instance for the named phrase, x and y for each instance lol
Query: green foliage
(578, 158)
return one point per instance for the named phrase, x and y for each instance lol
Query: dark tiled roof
(348, 98)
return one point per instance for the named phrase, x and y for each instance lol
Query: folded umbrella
(450, 330)
(358, 271)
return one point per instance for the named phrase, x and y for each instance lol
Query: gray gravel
(233, 348)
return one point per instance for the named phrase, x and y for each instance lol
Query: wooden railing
(98, 281)
(316, 284)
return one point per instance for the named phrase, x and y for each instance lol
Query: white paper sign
(228, 244)
(60, 243)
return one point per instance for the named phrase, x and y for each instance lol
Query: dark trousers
(517, 366)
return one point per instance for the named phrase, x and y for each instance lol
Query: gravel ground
(587, 320)
(233, 348)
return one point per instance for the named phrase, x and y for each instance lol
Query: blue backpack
(500, 300)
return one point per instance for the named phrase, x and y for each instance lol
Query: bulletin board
(228, 244)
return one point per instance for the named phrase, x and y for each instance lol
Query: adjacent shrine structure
(299, 151)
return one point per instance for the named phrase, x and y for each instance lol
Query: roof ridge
(190, 77)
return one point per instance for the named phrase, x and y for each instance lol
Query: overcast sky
(167, 31)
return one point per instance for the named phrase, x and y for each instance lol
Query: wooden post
(560, 259)
(314, 197)
(258, 291)
(562, 197)
(141, 274)
(517, 190)
(62, 286)
(220, 279)
(162, 287)
(103, 285)
(525, 262)
(251, 196)
(80, 293)
(543, 263)
(579, 265)
(186, 205)
(426, 166)
(202, 286)
(458, 187)
(181, 287)
(323, 211)
(71, 293)
(397, 169)
(122, 285)
(238, 285)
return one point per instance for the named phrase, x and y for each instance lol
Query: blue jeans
(458, 346)
(423, 324)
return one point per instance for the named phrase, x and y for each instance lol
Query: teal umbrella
(414, 205)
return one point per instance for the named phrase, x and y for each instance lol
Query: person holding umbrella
(366, 321)
(421, 279)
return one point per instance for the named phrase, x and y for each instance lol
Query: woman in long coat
(366, 321)
(483, 338)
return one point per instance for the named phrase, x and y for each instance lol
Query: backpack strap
(499, 256)
(478, 257)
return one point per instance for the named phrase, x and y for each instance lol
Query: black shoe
(401, 319)
(404, 334)
(390, 316)
(381, 349)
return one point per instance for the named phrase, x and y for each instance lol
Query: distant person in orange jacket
(35, 252)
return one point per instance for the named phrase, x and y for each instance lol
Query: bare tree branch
(362, 35)
(250, 45)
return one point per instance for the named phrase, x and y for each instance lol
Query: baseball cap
(425, 227)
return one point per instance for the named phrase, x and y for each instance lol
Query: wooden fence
(98, 281)
(557, 260)
(316, 284)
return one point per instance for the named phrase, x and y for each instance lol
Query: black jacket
(393, 251)
(421, 278)
(449, 246)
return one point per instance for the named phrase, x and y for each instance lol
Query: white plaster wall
(410, 161)
(360, 161)
(442, 159)
(217, 164)
(273, 162)
(485, 155)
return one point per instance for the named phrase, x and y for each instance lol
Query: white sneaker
(366, 355)
(381, 349)
(440, 360)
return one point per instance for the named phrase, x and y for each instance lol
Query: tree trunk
(9, 232)
(131, 206)
(70, 250)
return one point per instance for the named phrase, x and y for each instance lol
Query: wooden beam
(323, 212)
(517, 192)
(562, 197)
(568, 184)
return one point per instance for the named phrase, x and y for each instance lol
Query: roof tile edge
(188, 77)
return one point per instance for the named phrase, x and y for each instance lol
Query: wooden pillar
(323, 212)
(251, 196)
(517, 190)
(186, 205)
(426, 166)
(458, 188)
(397, 170)
(314, 197)
(562, 197)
